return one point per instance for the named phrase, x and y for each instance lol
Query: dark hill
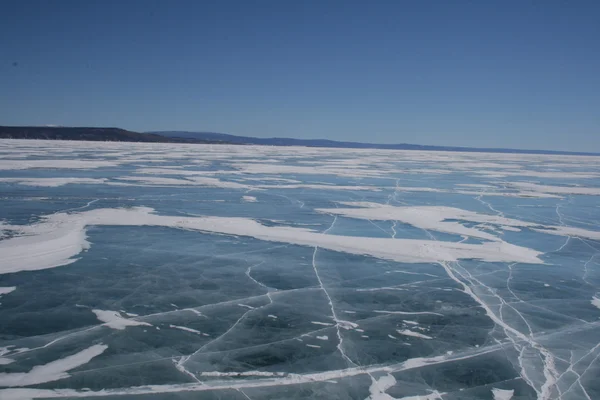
(86, 133)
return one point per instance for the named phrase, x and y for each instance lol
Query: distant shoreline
(96, 134)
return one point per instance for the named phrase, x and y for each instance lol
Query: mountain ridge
(249, 140)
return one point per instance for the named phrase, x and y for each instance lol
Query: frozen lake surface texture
(168, 271)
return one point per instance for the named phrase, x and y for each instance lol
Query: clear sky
(523, 74)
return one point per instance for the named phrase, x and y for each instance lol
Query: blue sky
(517, 74)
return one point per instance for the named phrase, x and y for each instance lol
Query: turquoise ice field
(173, 271)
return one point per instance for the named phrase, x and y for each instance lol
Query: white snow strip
(52, 371)
(249, 199)
(185, 328)
(194, 311)
(346, 324)
(55, 164)
(321, 323)
(53, 182)
(410, 322)
(130, 314)
(189, 181)
(59, 237)
(338, 170)
(322, 337)
(272, 316)
(5, 360)
(596, 301)
(536, 188)
(442, 219)
(244, 373)
(320, 187)
(114, 320)
(407, 332)
(313, 345)
(407, 312)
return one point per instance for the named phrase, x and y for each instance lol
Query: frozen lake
(168, 271)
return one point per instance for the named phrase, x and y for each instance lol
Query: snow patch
(502, 394)
(379, 387)
(407, 332)
(114, 320)
(7, 290)
(321, 323)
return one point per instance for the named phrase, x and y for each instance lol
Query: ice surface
(53, 370)
(251, 272)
